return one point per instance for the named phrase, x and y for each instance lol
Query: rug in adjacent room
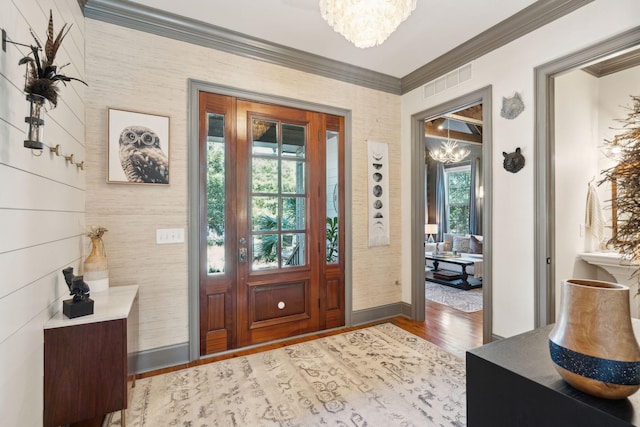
(467, 301)
(377, 376)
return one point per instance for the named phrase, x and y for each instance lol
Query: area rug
(378, 376)
(467, 301)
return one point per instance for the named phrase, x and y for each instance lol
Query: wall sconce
(35, 121)
(431, 229)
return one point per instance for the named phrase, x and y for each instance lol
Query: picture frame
(137, 148)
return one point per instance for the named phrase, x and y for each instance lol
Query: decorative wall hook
(57, 150)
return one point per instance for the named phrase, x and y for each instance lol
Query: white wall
(587, 113)
(511, 69)
(42, 202)
(576, 164)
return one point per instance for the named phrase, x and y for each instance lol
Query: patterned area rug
(378, 376)
(467, 301)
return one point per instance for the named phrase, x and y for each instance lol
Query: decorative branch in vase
(95, 267)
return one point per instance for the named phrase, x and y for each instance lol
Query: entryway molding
(197, 86)
(418, 153)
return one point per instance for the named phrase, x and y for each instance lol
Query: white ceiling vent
(450, 80)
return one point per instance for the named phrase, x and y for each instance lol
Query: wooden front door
(267, 268)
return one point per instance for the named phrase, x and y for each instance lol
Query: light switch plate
(169, 235)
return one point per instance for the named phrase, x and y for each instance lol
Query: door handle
(242, 255)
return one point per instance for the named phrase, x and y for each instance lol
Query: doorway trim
(197, 86)
(418, 153)
(544, 268)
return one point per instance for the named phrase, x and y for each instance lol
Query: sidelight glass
(215, 182)
(333, 197)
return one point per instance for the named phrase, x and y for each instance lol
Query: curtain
(475, 202)
(441, 201)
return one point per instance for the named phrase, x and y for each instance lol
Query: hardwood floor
(446, 327)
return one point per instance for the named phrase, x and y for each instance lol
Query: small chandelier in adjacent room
(366, 23)
(449, 152)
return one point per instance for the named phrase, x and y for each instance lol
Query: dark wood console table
(512, 382)
(87, 366)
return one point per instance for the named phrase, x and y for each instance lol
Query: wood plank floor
(446, 327)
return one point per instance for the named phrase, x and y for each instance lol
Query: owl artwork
(141, 156)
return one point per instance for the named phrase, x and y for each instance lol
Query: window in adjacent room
(458, 185)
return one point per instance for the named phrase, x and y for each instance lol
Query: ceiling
(433, 29)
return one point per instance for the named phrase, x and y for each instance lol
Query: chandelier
(366, 23)
(449, 152)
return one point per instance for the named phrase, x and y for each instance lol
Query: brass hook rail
(68, 158)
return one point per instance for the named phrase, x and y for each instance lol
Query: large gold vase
(592, 345)
(95, 268)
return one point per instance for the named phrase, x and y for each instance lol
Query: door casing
(418, 153)
(197, 86)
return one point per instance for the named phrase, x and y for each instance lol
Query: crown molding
(614, 65)
(154, 21)
(527, 20)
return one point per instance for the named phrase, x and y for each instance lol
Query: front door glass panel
(278, 195)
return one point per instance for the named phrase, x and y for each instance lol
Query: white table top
(112, 304)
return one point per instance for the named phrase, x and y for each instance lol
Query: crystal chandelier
(366, 23)
(449, 152)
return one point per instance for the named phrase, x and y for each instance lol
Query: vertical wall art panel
(378, 157)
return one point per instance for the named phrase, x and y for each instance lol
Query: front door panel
(269, 269)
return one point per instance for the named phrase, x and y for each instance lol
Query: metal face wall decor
(378, 168)
(513, 162)
(512, 107)
(138, 151)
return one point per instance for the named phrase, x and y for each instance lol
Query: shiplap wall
(138, 71)
(42, 204)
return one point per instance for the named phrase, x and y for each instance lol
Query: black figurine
(81, 304)
(76, 284)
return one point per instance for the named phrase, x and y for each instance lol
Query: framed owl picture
(138, 148)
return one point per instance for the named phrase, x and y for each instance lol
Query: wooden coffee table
(456, 279)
